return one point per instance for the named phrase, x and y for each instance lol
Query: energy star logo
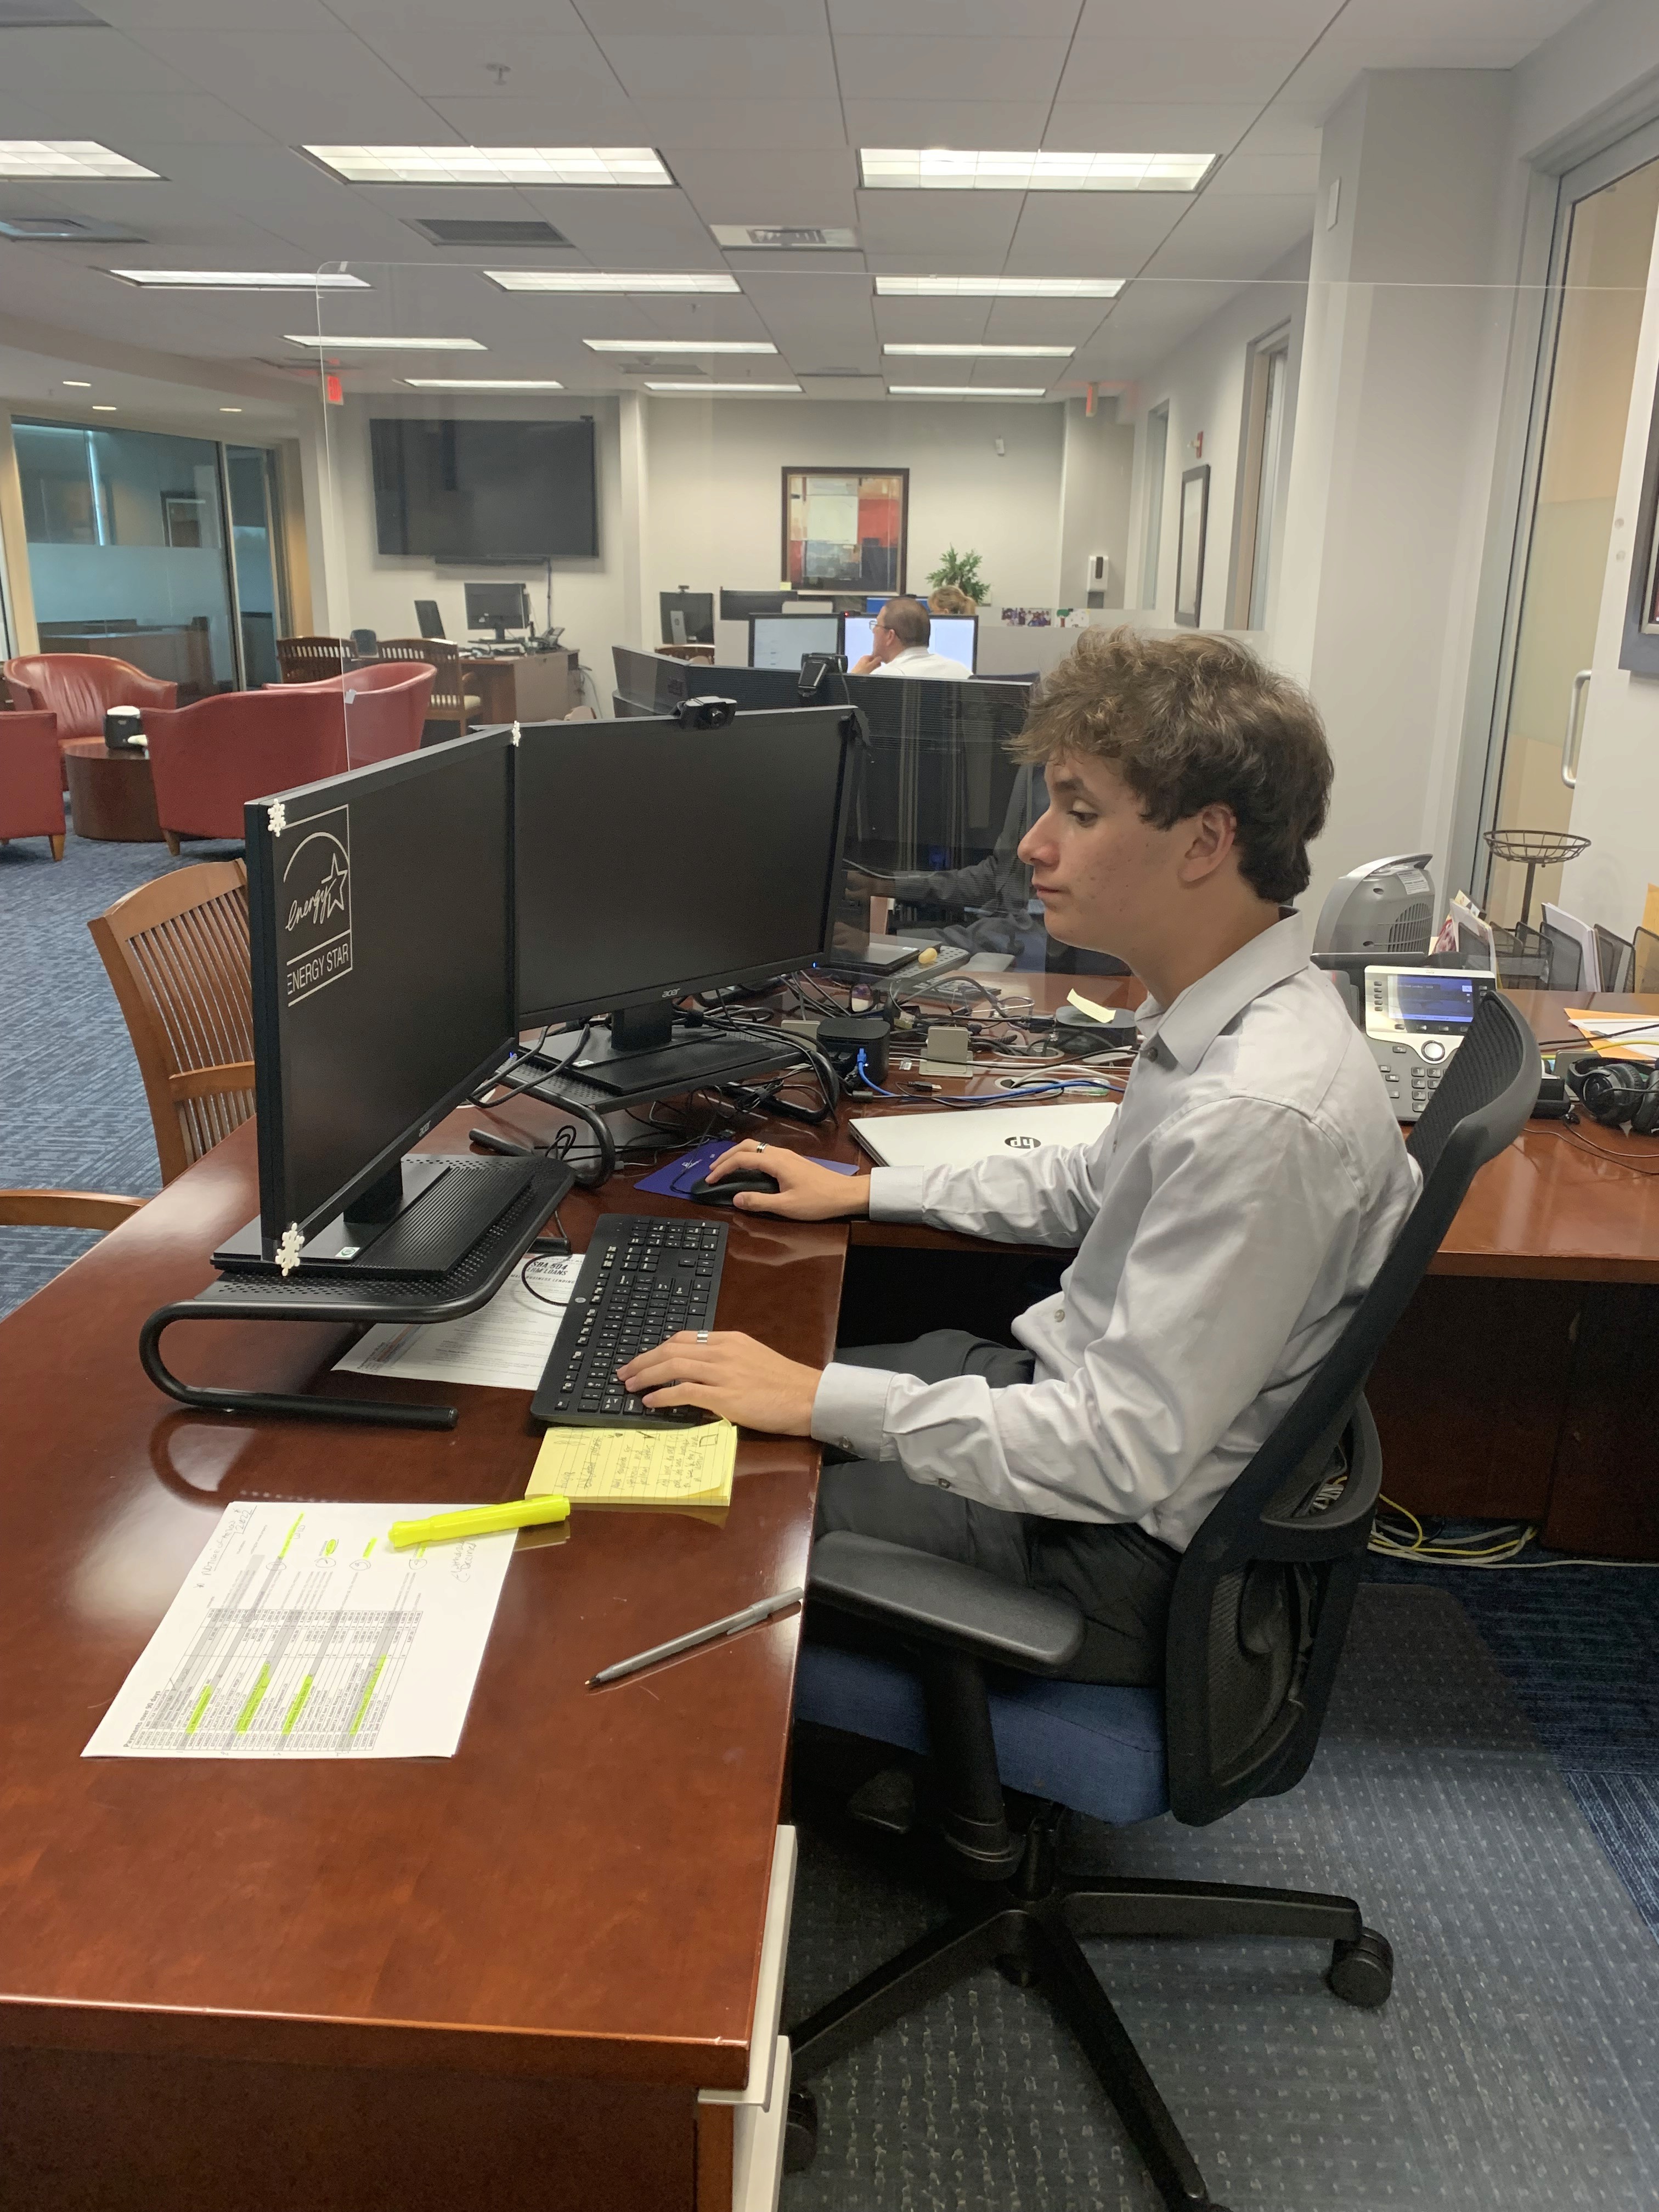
(314, 905)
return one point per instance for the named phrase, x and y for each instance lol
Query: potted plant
(961, 571)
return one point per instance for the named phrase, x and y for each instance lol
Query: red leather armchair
(31, 780)
(77, 687)
(385, 706)
(209, 759)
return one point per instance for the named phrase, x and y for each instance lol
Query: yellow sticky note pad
(1092, 1007)
(638, 1467)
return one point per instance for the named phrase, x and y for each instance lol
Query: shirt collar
(910, 652)
(1192, 1024)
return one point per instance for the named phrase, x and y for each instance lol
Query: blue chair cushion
(1096, 1749)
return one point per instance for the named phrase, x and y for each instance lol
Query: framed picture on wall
(184, 520)
(1639, 649)
(844, 530)
(1189, 546)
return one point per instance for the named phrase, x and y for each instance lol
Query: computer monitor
(779, 640)
(695, 614)
(654, 684)
(380, 919)
(955, 637)
(497, 607)
(427, 614)
(726, 869)
(937, 779)
(738, 606)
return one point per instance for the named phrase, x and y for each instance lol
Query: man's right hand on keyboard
(805, 1191)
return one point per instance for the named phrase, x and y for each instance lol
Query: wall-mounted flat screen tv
(477, 492)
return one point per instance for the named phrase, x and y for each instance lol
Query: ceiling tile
(1232, 237)
(1092, 234)
(600, 116)
(1181, 21)
(952, 69)
(161, 121)
(944, 233)
(1148, 126)
(1227, 69)
(750, 126)
(1014, 123)
(610, 19)
(376, 21)
(139, 16)
(678, 68)
(956, 19)
(328, 88)
(462, 63)
(813, 187)
(628, 230)
(1266, 173)
(66, 64)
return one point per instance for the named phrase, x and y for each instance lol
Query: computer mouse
(723, 1191)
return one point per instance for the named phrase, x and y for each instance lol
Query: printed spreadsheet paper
(300, 1633)
(638, 1467)
(504, 1346)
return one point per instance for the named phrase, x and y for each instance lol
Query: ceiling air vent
(48, 15)
(67, 227)
(869, 373)
(774, 238)
(447, 230)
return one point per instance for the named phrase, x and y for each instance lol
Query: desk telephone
(1414, 1019)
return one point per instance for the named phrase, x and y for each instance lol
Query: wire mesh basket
(1533, 849)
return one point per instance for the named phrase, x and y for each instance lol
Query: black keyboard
(642, 1278)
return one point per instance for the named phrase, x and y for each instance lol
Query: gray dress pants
(1116, 1574)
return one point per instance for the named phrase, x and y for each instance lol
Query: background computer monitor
(381, 927)
(779, 640)
(731, 856)
(431, 620)
(955, 637)
(697, 612)
(738, 606)
(498, 608)
(651, 683)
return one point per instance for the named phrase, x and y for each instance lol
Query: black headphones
(1616, 1091)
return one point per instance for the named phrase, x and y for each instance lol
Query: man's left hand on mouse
(730, 1375)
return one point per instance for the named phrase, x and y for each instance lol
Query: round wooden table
(111, 796)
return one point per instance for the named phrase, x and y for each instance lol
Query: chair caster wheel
(800, 2131)
(1361, 1973)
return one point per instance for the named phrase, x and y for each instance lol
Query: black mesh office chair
(1616, 958)
(1259, 1615)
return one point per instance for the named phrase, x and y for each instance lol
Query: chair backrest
(444, 659)
(304, 659)
(31, 776)
(364, 644)
(79, 687)
(1644, 944)
(1263, 1594)
(206, 760)
(1566, 959)
(385, 717)
(176, 951)
(1616, 958)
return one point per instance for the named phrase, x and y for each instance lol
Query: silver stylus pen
(751, 1617)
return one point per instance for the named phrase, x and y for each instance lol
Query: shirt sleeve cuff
(850, 1410)
(897, 1194)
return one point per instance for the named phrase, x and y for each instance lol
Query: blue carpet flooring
(1579, 1645)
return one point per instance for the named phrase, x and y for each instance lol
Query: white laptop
(956, 1138)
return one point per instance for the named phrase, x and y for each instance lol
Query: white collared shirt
(920, 660)
(1227, 1223)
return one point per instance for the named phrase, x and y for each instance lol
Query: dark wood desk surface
(579, 1892)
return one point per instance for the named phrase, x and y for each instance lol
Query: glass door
(1604, 243)
(250, 499)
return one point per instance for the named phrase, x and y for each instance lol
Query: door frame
(1536, 336)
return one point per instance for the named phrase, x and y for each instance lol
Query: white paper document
(300, 1633)
(503, 1345)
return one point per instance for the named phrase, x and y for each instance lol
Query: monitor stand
(423, 1216)
(648, 1055)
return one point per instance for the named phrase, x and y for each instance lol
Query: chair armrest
(943, 1601)
(66, 1209)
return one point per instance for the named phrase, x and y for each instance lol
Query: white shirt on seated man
(1224, 1226)
(899, 646)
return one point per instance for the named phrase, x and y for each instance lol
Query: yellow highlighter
(478, 1521)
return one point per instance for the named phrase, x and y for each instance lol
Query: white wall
(380, 590)
(714, 486)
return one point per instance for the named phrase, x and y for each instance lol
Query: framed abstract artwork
(1189, 546)
(844, 530)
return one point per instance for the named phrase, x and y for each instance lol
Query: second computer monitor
(780, 641)
(695, 612)
(497, 608)
(953, 637)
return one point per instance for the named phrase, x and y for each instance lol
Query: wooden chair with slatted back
(177, 953)
(312, 659)
(450, 701)
(65, 1209)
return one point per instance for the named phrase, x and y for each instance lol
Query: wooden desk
(530, 687)
(112, 794)
(499, 1979)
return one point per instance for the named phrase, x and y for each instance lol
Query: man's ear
(1212, 836)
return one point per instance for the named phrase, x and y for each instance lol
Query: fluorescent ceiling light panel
(241, 280)
(483, 384)
(679, 345)
(946, 169)
(969, 391)
(82, 159)
(387, 345)
(975, 352)
(494, 164)
(999, 288)
(701, 386)
(626, 280)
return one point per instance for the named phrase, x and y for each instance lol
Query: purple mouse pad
(676, 1178)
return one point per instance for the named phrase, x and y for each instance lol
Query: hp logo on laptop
(1022, 1144)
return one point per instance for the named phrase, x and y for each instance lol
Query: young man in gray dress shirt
(1225, 1224)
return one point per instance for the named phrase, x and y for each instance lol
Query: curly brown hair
(1190, 722)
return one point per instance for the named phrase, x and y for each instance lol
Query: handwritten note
(638, 1467)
